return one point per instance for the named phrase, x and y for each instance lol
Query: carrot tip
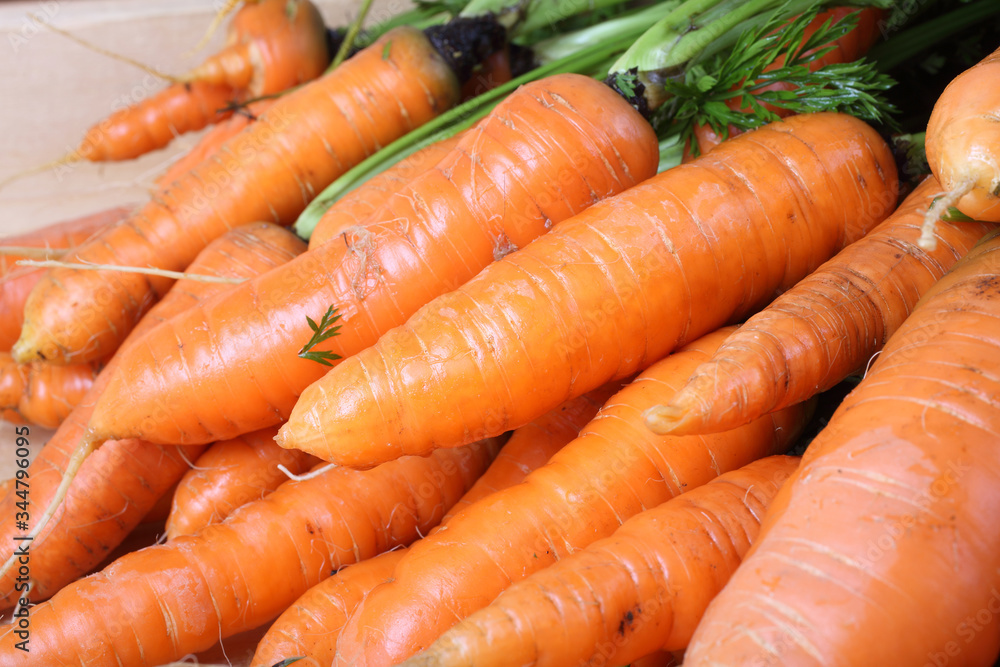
(663, 419)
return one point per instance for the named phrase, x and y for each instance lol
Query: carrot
(615, 469)
(42, 393)
(643, 588)
(160, 603)
(961, 144)
(119, 484)
(846, 49)
(881, 549)
(445, 226)
(609, 292)
(353, 209)
(17, 281)
(230, 474)
(311, 627)
(826, 327)
(213, 140)
(268, 172)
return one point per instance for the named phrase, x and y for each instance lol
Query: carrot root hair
(69, 158)
(928, 239)
(223, 12)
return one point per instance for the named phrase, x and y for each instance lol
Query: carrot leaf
(321, 332)
(707, 93)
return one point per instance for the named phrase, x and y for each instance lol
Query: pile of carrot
(528, 396)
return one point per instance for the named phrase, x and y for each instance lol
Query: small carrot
(158, 604)
(605, 293)
(41, 393)
(16, 281)
(119, 484)
(882, 547)
(643, 588)
(310, 627)
(826, 327)
(269, 172)
(230, 474)
(615, 469)
(443, 228)
(961, 143)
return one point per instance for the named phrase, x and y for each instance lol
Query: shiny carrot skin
(312, 625)
(123, 479)
(826, 327)
(41, 393)
(229, 475)
(16, 281)
(504, 184)
(882, 548)
(615, 469)
(269, 172)
(962, 138)
(643, 588)
(158, 604)
(356, 207)
(606, 293)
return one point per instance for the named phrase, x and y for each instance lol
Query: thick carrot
(547, 152)
(827, 326)
(118, 485)
(353, 209)
(607, 292)
(882, 548)
(268, 172)
(229, 475)
(311, 627)
(160, 603)
(17, 281)
(643, 588)
(961, 142)
(616, 468)
(42, 393)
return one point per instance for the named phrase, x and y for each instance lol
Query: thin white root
(315, 472)
(928, 239)
(224, 11)
(179, 275)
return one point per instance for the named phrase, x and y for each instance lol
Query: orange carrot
(848, 48)
(231, 474)
(961, 143)
(311, 627)
(353, 209)
(616, 468)
(17, 281)
(606, 293)
(269, 172)
(119, 484)
(643, 588)
(42, 393)
(882, 548)
(160, 603)
(443, 228)
(824, 328)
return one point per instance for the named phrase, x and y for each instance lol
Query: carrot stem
(352, 35)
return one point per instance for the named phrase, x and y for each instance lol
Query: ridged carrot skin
(269, 172)
(213, 140)
(615, 469)
(606, 293)
(826, 327)
(160, 603)
(154, 122)
(354, 209)
(16, 281)
(504, 184)
(311, 626)
(882, 548)
(643, 588)
(962, 138)
(229, 475)
(123, 479)
(41, 393)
